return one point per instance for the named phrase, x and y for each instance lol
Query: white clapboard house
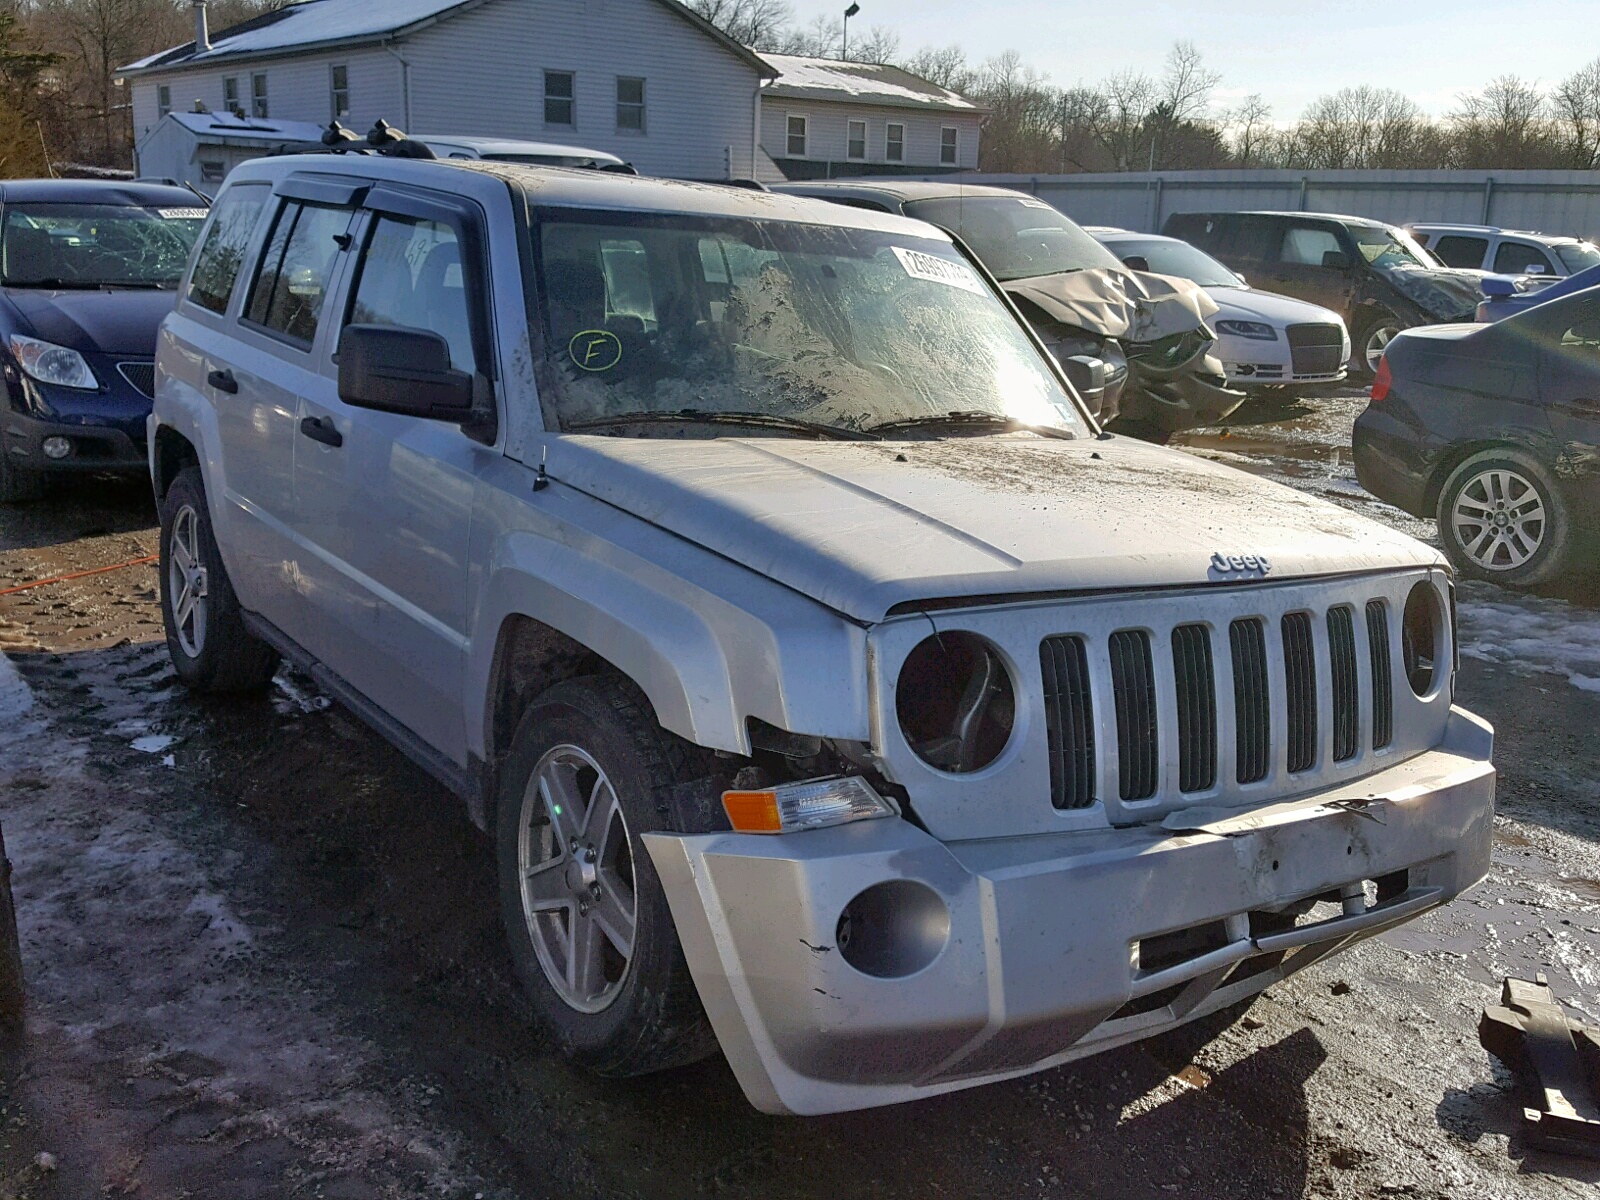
(823, 119)
(646, 80)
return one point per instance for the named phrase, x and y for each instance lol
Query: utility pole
(844, 41)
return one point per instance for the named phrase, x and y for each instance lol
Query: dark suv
(1373, 275)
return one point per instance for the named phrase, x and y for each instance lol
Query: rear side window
(217, 266)
(1304, 245)
(411, 276)
(1456, 251)
(292, 282)
(1519, 258)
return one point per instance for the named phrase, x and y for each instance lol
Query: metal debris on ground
(1556, 1061)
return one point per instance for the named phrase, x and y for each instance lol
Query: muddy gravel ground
(264, 957)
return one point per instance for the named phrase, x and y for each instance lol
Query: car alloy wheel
(579, 891)
(1377, 342)
(1498, 519)
(188, 582)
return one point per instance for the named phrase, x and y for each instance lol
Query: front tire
(586, 918)
(18, 485)
(1502, 518)
(1369, 343)
(211, 649)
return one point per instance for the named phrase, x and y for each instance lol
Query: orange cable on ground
(39, 583)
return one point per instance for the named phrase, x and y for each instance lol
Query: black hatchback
(1494, 431)
(88, 271)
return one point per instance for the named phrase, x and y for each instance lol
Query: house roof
(213, 125)
(803, 78)
(316, 24)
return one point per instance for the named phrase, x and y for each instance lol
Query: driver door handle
(223, 381)
(322, 429)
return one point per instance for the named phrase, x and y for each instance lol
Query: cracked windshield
(832, 331)
(97, 245)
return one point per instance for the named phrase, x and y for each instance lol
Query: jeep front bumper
(985, 960)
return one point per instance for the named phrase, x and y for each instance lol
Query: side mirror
(1336, 260)
(406, 371)
(1136, 262)
(1497, 285)
(1243, 282)
(1089, 377)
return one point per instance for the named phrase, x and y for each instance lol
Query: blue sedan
(1505, 297)
(88, 270)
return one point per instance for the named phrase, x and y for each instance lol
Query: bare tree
(1504, 125)
(759, 24)
(1575, 109)
(881, 44)
(946, 66)
(1250, 128)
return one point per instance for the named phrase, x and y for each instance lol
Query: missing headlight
(1419, 637)
(955, 702)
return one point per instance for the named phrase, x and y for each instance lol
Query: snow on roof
(212, 124)
(861, 83)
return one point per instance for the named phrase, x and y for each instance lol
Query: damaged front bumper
(871, 964)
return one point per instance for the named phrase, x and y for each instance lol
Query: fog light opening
(57, 448)
(893, 929)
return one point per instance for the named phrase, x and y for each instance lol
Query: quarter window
(163, 100)
(857, 144)
(411, 276)
(258, 96)
(630, 105)
(216, 267)
(230, 95)
(797, 137)
(894, 142)
(339, 87)
(292, 282)
(1519, 258)
(948, 143)
(559, 105)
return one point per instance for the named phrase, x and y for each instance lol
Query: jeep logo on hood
(1239, 566)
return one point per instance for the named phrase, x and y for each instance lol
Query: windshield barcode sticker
(938, 270)
(181, 214)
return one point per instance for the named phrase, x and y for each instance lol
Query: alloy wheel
(1377, 342)
(188, 582)
(575, 863)
(1498, 519)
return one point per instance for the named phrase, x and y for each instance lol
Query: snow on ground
(1530, 634)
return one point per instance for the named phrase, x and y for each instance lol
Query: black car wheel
(1502, 518)
(17, 484)
(1369, 343)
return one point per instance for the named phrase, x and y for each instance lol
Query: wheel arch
(170, 452)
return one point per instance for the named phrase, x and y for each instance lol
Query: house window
(258, 96)
(163, 100)
(894, 142)
(947, 146)
(797, 137)
(230, 95)
(630, 104)
(559, 108)
(857, 144)
(339, 85)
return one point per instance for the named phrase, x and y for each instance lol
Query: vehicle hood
(98, 322)
(865, 526)
(1131, 306)
(1445, 293)
(1247, 304)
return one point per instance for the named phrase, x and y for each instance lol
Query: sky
(1290, 51)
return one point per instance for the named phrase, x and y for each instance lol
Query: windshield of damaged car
(1385, 247)
(657, 316)
(96, 245)
(1016, 237)
(1171, 257)
(1577, 256)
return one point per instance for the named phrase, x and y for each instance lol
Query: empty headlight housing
(1422, 638)
(955, 702)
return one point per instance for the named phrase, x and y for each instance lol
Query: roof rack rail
(383, 138)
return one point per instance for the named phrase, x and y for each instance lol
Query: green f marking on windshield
(595, 350)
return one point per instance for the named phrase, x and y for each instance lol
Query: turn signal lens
(1381, 381)
(815, 804)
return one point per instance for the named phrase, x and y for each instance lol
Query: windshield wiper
(967, 418)
(695, 416)
(89, 285)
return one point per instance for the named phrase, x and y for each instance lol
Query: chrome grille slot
(1195, 678)
(1382, 674)
(1300, 680)
(1252, 707)
(1069, 721)
(1346, 689)
(1133, 687)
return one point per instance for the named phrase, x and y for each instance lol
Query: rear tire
(588, 773)
(212, 650)
(17, 484)
(1502, 518)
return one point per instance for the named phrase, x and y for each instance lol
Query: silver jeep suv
(834, 691)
